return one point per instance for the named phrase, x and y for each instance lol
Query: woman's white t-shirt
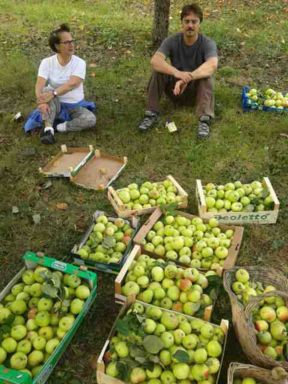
(57, 75)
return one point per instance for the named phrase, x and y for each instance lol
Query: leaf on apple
(50, 290)
(136, 351)
(181, 356)
(169, 209)
(153, 344)
(108, 242)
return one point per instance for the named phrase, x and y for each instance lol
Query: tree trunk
(161, 21)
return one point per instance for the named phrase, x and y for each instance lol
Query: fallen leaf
(46, 185)
(15, 209)
(36, 218)
(93, 74)
(92, 65)
(62, 206)
(284, 135)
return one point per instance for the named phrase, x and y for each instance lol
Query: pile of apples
(244, 288)
(108, 241)
(271, 323)
(237, 197)
(164, 347)
(167, 286)
(189, 241)
(33, 324)
(149, 194)
(269, 98)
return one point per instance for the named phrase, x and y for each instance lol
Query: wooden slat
(119, 279)
(272, 193)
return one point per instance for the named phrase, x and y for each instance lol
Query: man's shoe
(150, 119)
(47, 135)
(204, 127)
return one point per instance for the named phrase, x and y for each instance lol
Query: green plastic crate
(31, 260)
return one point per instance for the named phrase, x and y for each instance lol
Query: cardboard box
(261, 217)
(119, 282)
(232, 252)
(103, 378)
(86, 167)
(113, 268)
(31, 260)
(123, 211)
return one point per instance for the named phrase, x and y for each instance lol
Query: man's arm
(159, 64)
(207, 69)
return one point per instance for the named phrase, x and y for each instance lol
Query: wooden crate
(232, 252)
(103, 378)
(123, 211)
(261, 217)
(119, 297)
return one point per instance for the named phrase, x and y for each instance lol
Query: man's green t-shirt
(187, 57)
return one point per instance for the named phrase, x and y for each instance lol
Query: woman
(59, 91)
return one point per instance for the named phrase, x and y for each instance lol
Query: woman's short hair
(192, 8)
(54, 37)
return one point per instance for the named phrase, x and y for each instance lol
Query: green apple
(18, 332)
(46, 332)
(9, 345)
(73, 281)
(137, 375)
(42, 319)
(28, 277)
(167, 377)
(39, 343)
(200, 356)
(24, 346)
(190, 341)
(18, 307)
(38, 272)
(18, 320)
(122, 349)
(4, 314)
(165, 357)
(76, 306)
(3, 355)
(31, 325)
(181, 371)
(214, 348)
(242, 275)
(44, 304)
(18, 360)
(111, 369)
(17, 288)
(169, 320)
(167, 339)
(66, 323)
(35, 358)
(36, 290)
(51, 345)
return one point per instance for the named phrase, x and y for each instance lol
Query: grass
(116, 37)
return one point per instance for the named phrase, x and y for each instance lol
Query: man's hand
(186, 77)
(179, 88)
(44, 109)
(45, 97)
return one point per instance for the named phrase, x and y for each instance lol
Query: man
(193, 59)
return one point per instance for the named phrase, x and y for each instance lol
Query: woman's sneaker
(150, 119)
(47, 135)
(204, 127)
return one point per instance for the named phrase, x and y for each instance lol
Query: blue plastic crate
(249, 105)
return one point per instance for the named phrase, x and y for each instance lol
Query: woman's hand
(179, 88)
(44, 109)
(45, 97)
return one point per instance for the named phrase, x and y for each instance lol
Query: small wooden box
(103, 378)
(123, 211)
(86, 167)
(135, 253)
(232, 252)
(261, 217)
